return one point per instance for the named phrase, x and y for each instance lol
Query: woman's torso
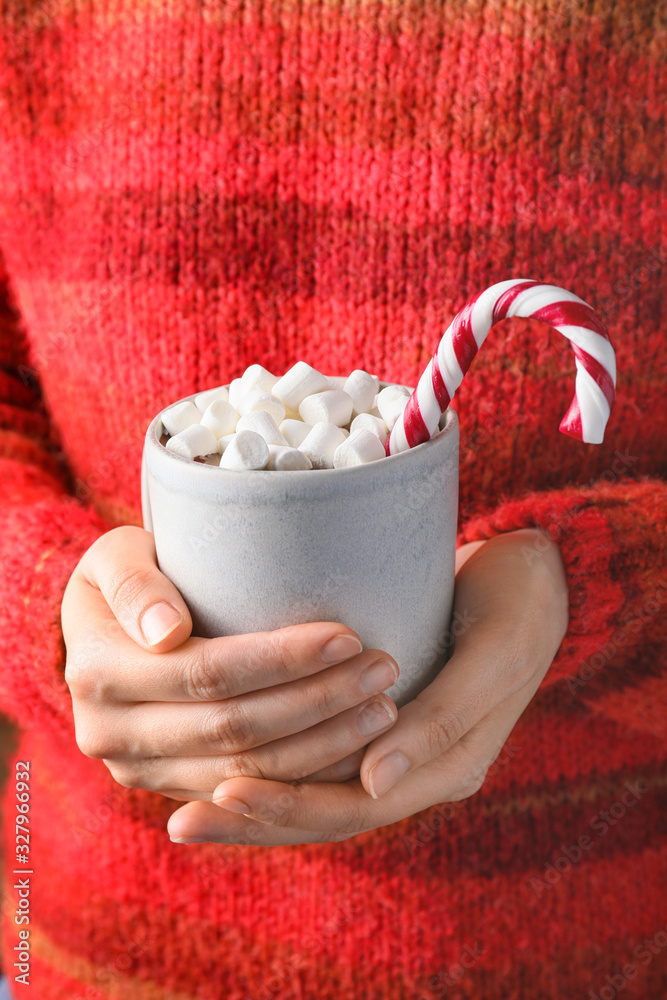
(192, 189)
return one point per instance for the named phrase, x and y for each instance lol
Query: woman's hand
(272, 704)
(513, 592)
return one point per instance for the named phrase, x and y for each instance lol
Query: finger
(505, 646)
(471, 758)
(479, 675)
(342, 770)
(334, 809)
(461, 771)
(282, 760)
(237, 724)
(201, 821)
(122, 565)
(111, 667)
(341, 810)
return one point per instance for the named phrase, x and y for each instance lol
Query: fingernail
(159, 621)
(188, 840)
(373, 718)
(386, 772)
(377, 677)
(233, 805)
(341, 647)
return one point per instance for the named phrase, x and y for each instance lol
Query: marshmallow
(235, 392)
(320, 444)
(195, 440)
(261, 423)
(180, 416)
(220, 417)
(256, 399)
(284, 459)
(248, 450)
(391, 402)
(294, 431)
(204, 399)
(224, 441)
(332, 406)
(362, 388)
(300, 381)
(256, 377)
(301, 418)
(360, 448)
(368, 422)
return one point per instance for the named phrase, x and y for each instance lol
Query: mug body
(371, 546)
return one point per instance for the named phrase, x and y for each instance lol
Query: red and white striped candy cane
(595, 361)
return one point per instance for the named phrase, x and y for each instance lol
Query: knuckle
(519, 668)
(95, 742)
(470, 785)
(90, 747)
(243, 765)
(323, 700)
(239, 733)
(85, 681)
(128, 585)
(282, 652)
(203, 678)
(351, 821)
(350, 825)
(442, 731)
(125, 774)
(145, 773)
(213, 731)
(77, 677)
(227, 730)
(471, 772)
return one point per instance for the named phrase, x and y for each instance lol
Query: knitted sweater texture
(190, 187)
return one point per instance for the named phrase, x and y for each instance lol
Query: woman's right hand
(177, 714)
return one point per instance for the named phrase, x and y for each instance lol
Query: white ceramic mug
(371, 546)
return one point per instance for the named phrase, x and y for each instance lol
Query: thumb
(122, 565)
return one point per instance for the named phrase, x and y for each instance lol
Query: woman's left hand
(511, 604)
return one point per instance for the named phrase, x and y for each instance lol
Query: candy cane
(595, 361)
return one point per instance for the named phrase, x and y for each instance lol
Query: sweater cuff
(41, 541)
(610, 538)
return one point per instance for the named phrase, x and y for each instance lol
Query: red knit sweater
(188, 188)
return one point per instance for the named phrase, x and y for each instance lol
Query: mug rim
(243, 477)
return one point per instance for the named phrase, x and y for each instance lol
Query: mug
(371, 546)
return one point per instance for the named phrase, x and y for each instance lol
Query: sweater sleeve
(612, 540)
(44, 531)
